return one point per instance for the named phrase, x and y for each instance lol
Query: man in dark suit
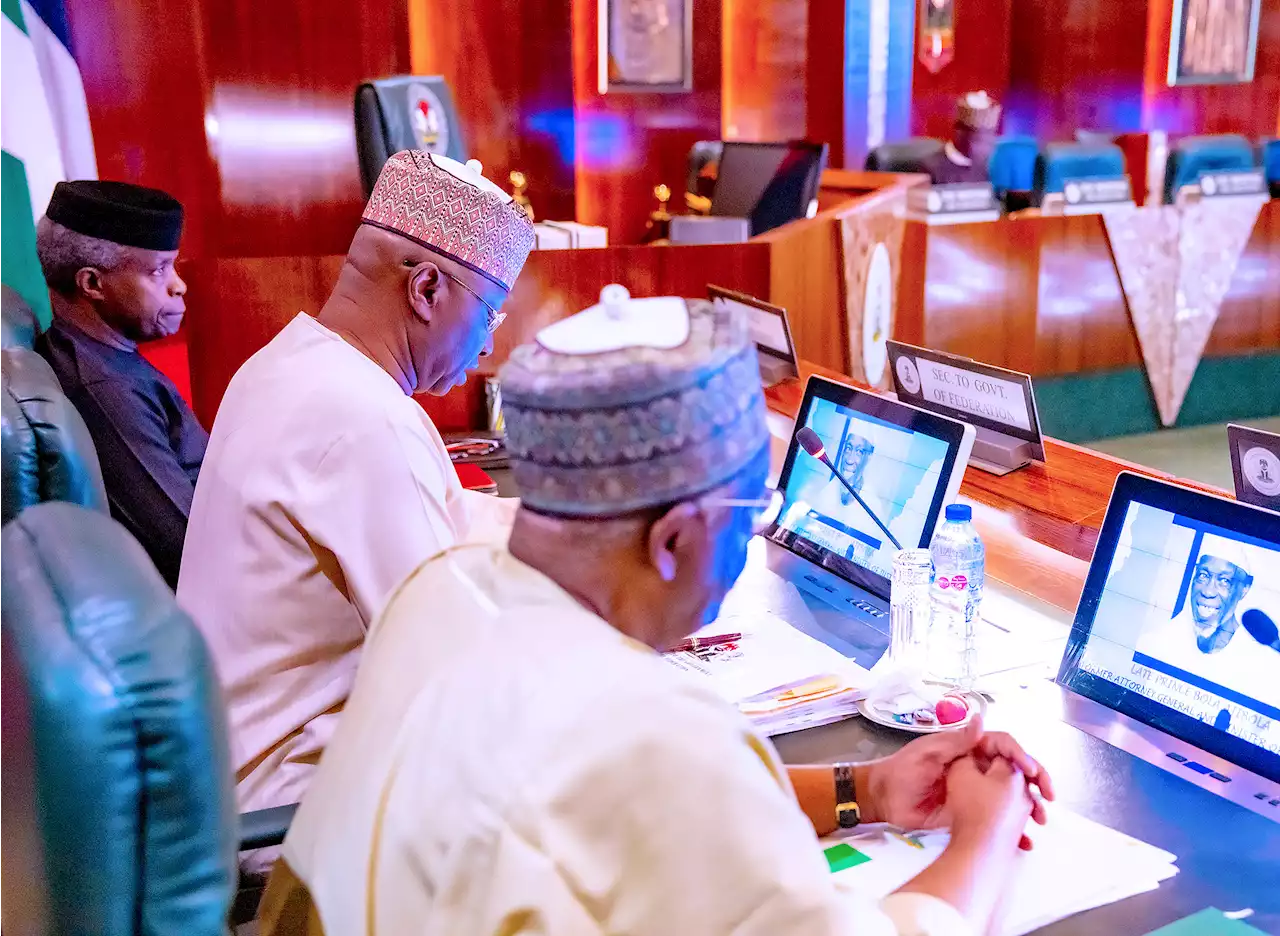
(108, 251)
(967, 153)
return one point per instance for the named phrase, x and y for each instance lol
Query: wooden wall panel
(145, 79)
(283, 77)
(236, 305)
(980, 280)
(981, 64)
(1042, 295)
(510, 65)
(628, 143)
(242, 110)
(1076, 64)
(765, 59)
(1083, 322)
(825, 85)
(1252, 108)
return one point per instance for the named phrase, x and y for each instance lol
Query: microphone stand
(856, 496)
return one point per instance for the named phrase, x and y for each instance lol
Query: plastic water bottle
(959, 561)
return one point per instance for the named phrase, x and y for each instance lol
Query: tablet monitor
(1176, 627)
(905, 463)
(770, 330)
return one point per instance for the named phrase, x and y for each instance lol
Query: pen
(697, 643)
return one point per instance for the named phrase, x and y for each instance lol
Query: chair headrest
(403, 112)
(20, 325)
(1012, 166)
(124, 719)
(1192, 156)
(1060, 163)
(903, 156)
(46, 452)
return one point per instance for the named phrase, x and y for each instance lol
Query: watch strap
(848, 815)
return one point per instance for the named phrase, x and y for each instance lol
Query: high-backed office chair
(1191, 156)
(46, 452)
(1060, 163)
(404, 112)
(704, 163)
(1012, 169)
(768, 183)
(18, 324)
(119, 807)
(904, 156)
(1269, 160)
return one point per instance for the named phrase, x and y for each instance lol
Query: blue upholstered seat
(1269, 159)
(1191, 156)
(1013, 164)
(1060, 163)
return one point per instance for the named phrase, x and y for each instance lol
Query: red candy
(951, 710)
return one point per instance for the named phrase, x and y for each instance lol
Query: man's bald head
(421, 315)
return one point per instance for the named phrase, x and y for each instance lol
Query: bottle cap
(960, 513)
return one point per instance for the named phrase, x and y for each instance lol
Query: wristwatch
(848, 814)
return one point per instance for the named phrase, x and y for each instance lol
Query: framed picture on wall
(1213, 41)
(646, 45)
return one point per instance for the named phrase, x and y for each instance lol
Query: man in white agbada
(1205, 638)
(324, 483)
(516, 757)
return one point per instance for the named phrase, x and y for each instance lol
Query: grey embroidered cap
(604, 433)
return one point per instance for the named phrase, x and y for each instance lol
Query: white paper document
(780, 678)
(1076, 865)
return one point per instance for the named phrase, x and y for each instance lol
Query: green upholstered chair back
(46, 452)
(18, 323)
(118, 799)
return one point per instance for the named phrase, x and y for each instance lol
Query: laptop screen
(897, 459)
(1179, 619)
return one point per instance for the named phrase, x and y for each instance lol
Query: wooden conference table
(1039, 525)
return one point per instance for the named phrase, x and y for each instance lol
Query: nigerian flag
(45, 130)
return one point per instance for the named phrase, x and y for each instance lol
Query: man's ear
(671, 535)
(424, 284)
(89, 283)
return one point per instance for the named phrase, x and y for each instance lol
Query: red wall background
(242, 109)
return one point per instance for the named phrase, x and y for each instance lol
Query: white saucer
(977, 706)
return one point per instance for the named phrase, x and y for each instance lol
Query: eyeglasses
(496, 318)
(765, 510)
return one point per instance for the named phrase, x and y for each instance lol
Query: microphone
(1261, 628)
(810, 442)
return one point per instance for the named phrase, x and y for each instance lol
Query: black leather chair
(768, 183)
(404, 112)
(118, 800)
(906, 156)
(703, 167)
(18, 324)
(46, 452)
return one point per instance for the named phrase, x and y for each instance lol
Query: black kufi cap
(119, 212)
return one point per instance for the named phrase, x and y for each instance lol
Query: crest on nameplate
(429, 120)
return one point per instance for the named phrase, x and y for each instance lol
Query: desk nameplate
(955, 203)
(999, 402)
(1231, 183)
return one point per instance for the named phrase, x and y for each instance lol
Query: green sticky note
(1208, 922)
(844, 856)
